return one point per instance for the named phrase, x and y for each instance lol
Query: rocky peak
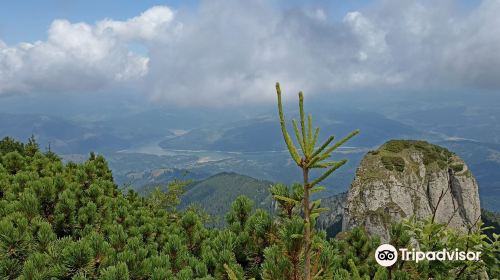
(404, 178)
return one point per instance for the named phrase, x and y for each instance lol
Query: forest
(71, 221)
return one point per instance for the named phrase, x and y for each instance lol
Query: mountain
(264, 134)
(467, 121)
(405, 178)
(241, 136)
(70, 221)
(216, 193)
(151, 179)
(207, 143)
(331, 221)
(64, 136)
(254, 147)
(483, 160)
(134, 169)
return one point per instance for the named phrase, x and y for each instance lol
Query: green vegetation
(393, 163)
(70, 221)
(457, 167)
(433, 237)
(396, 146)
(216, 193)
(431, 153)
(311, 157)
(393, 153)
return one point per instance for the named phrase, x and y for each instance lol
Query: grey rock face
(331, 221)
(405, 178)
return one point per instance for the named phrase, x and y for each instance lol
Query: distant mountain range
(153, 147)
(68, 136)
(264, 134)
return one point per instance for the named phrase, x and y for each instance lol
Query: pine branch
(315, 139)
(230, 272)
(310, 145)
(288, 141)
(322, 147)
(317, 189)
(327, 173)
(284, 198)
(341, 142)
(302, 118)
(319, 210)
(313, 162)
(299, 139)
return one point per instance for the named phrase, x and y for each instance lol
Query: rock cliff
(404, 178)
(331, 221)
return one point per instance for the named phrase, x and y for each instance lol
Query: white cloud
(80, 56)
(153, 24)
(233, 52)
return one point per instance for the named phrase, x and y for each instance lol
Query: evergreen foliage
(216, 193)
(311, 158)
(70, 221)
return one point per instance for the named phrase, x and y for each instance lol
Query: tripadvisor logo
(387, 255)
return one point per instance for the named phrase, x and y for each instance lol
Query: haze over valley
(157, 144)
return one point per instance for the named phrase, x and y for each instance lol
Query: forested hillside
(70, 221)
(216, 193)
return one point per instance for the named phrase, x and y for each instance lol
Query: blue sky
(207, 53)
(28, 20)
(22, 21)
(25, 21)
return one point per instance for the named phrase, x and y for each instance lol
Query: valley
(155, 146)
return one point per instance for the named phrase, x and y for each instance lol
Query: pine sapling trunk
(311, 157)
(307, 223)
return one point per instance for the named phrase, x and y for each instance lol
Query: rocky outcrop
(331, 221)
(404, 178)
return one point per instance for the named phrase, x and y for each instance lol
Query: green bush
(396, 146)
(393, 163)
(457, 167)
(431, 153)
(70, 221)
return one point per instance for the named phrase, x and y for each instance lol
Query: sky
(219, 53)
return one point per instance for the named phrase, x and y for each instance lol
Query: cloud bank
(233, 52)
(80, 56)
